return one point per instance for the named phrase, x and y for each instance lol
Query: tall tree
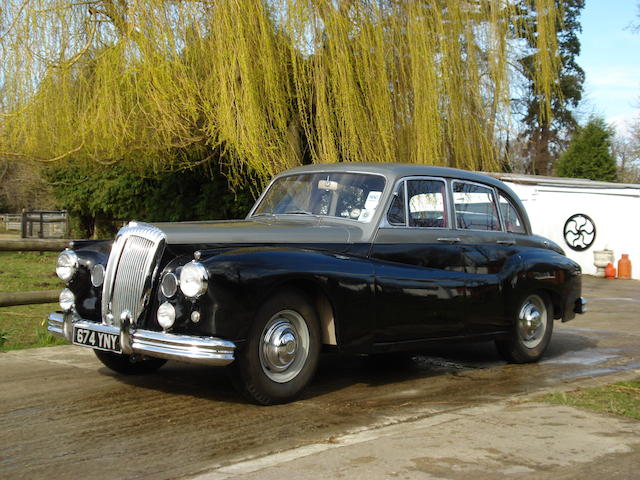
(589, 154)
(269, 83)
(545, 135)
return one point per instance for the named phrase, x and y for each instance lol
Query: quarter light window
(512, 221)
(475, 207)
(396, 214)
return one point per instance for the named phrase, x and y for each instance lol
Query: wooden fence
(11, 299)
(11, 222)
(44, 224)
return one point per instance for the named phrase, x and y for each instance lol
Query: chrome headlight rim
(67, 265)
(194, 280)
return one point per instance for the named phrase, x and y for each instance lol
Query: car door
(490, 253)
(419, 268)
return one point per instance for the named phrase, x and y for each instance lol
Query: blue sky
(610, 57)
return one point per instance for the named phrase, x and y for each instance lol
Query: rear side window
(426, 203)
(475, 207)
(512, 221)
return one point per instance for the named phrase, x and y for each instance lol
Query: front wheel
(129, 364)
(531, 333)
(282, 351)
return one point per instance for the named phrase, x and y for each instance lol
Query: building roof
(559, 181)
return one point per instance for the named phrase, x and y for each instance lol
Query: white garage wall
(615, 212)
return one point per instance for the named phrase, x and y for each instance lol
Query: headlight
(166, 315)
(169, 285)
(193, 279)
(97, 275)
(67, 265)
(67, 300)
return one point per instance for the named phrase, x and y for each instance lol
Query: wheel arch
(552, 296)
(320, 301)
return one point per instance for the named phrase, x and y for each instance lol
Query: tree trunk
(541, 156)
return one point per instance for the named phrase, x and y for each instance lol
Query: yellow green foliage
(267, 83)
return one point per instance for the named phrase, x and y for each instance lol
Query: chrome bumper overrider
(580, 305)
(186, 348)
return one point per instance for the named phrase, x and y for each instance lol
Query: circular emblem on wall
(579, 232)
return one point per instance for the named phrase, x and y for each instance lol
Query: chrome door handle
(449, 239)
(506, 242)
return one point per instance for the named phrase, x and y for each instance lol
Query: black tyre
(531, 332)
(129, 364)
(282, 350)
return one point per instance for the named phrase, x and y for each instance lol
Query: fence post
(23, 230)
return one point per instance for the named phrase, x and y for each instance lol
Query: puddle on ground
(439, 364)
(598, 372)
(589, 356)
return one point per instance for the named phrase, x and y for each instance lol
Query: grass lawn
(25, 326)
(622, 398)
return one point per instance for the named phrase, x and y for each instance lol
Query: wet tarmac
(63, 415)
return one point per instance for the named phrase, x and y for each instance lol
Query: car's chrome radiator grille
(131, 271)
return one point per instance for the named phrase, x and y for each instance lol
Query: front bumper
(185, 348)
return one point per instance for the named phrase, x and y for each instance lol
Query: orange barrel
(624, 267)
(609, 271)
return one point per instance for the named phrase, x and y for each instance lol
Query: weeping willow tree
(266, 85)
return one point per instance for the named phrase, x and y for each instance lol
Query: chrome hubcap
(284, 346)
(532, 321)
(280, 346)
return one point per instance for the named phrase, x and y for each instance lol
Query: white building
(583, 216)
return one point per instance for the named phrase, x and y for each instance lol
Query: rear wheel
(129, 364)
(531, 332)
(282, 351)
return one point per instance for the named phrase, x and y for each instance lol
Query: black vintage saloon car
(357, 258)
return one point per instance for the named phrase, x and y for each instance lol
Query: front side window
(475, 207)
(353, 196)
(512, 221)
(426, 201)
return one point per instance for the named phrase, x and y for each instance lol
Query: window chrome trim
(496, 207)
(502, 193)
(384, 222)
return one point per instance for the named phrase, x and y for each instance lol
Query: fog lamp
(166, 315)
(67, 300)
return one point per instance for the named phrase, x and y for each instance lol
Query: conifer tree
(589, 154)
(545, 134)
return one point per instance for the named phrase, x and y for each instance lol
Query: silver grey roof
(394, 171)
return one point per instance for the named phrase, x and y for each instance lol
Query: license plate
(100, 340)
